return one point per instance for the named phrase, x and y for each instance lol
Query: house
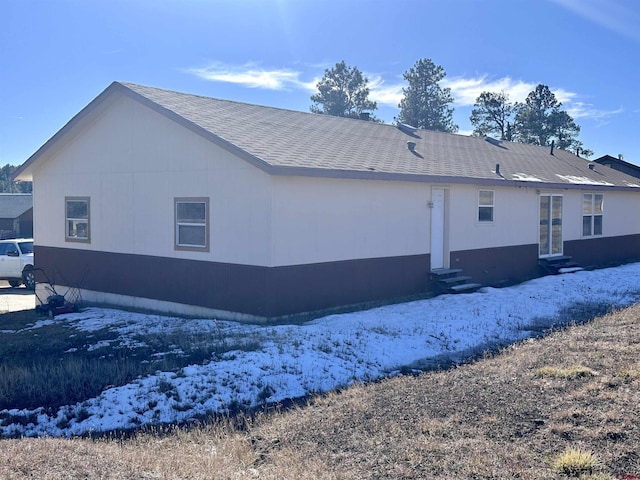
(620, 165)
(16, 215)
(180, 203)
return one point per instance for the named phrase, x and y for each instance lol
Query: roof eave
(440, 179)
(198, 130)
(25, 171)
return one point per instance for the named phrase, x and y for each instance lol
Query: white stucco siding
(322, 220)
(571, 214)
(515, 218)
(621, 213)
(132, 162)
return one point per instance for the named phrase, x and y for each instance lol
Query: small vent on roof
(366, 116)
(553, 144)
(411, 146)
(592, 166)
(493, 141)
(406, 128)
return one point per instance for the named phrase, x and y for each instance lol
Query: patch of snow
(583, 180)
(524, 177)
(570, 269)
(97, 345)
(291, 361)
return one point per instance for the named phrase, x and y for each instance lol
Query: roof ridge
(282, 141)
(132, 86)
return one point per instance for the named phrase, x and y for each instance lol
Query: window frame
(76, 238)
(592, 214)
(487, 207)
(205, 224)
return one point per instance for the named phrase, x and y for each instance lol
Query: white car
(16, 262)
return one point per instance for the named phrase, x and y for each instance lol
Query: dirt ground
(15, 299)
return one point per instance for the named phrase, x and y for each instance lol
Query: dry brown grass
(499, 418)
(576, 463)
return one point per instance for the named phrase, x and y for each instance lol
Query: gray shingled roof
(286, 142)
(12, 205)
(298, 140)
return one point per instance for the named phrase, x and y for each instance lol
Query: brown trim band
(260, 291)
(509, 265)
(498, 266)
(272, 292)
(604, 251)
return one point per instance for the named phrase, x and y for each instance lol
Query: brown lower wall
(508, 265)
(603, 251)
(271, 292)
(498, 266)
(261, 291)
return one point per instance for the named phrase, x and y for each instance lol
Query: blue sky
(57, 55)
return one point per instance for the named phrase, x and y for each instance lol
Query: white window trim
(592, 215)
(69, 238)
(551, 196)
(492, 206)
(185, 247)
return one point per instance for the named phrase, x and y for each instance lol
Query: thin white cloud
(587, 110)
(252, 76)
(621, 17)
(387, 95)
(564, 96)
(465, 91)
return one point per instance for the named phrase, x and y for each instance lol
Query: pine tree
(342, 92)
(425, 103)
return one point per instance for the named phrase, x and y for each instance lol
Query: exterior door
(438, 245)
(550, 225)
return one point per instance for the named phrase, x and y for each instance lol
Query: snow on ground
(291, 361)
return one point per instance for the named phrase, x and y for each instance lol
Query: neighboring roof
(620, 165)
(12, 205)
(286, 142)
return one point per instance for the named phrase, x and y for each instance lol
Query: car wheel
(29, 278)
(14, 283)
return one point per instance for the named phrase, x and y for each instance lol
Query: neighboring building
(167, 201)
(16, 215)
(620, 165)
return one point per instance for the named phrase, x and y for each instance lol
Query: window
(192, 224)
(77, 219)
(26, 247)
(591, 214)
(485, 206)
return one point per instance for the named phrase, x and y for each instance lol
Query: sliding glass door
(550, 225)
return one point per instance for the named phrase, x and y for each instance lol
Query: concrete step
(465, 288)
(454, 280)
(556, 259)
(444, 272)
